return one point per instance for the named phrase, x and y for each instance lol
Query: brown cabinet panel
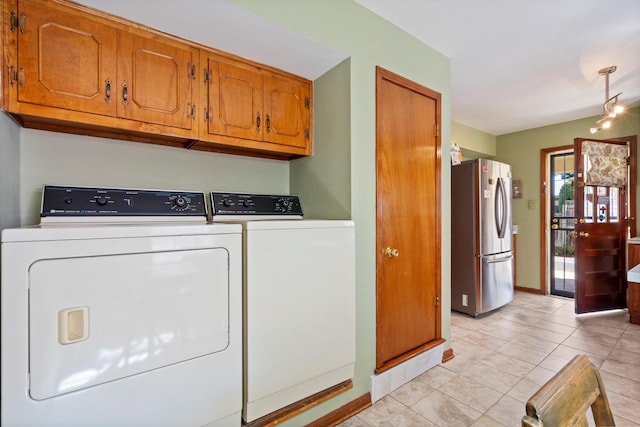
(286, 106)
(235, 100)
(65, 62)
(155, 81)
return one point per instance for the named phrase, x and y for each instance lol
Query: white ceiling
(518, 64)
(515, 64)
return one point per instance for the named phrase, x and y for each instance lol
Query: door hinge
(436, 130)
(191, 110)
(191, 71)
(437, 300)
(307, 102)
(17, 22)
(208, 114)
(208, 76)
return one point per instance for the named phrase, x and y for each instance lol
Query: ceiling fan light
(594, 130)
(606, 124)
(618, 109)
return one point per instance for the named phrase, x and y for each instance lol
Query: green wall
(473, 142)
(369, 41)
(522, 151)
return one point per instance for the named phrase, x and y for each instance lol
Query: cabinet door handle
(258, 122)
(268, 124)
(125, 94)
(107, 90)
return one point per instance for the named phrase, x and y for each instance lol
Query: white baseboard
(386, 382)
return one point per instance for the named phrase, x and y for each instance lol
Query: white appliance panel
(144, 311)
(300, 310)
(201, 390)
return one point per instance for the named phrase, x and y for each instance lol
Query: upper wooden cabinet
(79, 64)
(63, 61)
(247, 106)
(156, 81)
(70, 68)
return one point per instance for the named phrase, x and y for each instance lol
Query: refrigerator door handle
(500, 208)
(493, 261)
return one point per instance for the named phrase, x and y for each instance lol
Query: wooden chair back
(565, 398)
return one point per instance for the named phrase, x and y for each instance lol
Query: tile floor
(501, 359)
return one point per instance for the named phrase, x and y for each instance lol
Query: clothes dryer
(110, 321)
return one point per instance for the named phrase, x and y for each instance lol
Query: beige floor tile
(471, 393)
(515, 367)
(530, 384)
(621, 385)
(624, 407)
(411, 392)
(524, 353)
(436, 376)
(410, 418)
(507, 411)
(354, 421)
(486, 421)
(382, 412)
(601, 350)
(625, 370)
(492, 377)
(443, 410)
(569, 353)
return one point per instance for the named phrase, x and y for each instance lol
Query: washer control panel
(90, 201)
(254, 204)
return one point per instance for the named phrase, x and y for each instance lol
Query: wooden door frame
(544, 232)
(381, 75)
(544, 153)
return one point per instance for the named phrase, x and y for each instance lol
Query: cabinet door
(155, 81)
(235, 99)
(287, 111)
(65, 60)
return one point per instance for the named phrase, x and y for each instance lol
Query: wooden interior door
(235, 99)
(155, 81)
(76, 77)
(604, 213)
(408, 239)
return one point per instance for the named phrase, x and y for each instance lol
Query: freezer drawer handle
(493, 261)
(73, 325)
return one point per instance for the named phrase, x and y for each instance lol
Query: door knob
(573, 233)
(554, 226)
(583, 234)
(391, 252)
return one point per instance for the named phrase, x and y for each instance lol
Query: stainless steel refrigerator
(481, 236)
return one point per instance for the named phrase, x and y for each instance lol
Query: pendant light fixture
(610, 108)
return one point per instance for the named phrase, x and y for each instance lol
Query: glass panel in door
(562, 281)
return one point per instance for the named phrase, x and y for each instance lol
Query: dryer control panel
(64, 201)
(255, 204)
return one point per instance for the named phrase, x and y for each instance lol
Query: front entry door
(408, 224)
(604, 212)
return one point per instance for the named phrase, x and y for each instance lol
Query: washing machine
(299, 300)
(122, 308)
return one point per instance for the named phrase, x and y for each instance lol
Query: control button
(226, 202)
(68, 200)
(101, 201)
(180, 202)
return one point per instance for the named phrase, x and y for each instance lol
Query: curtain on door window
(605, 164)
